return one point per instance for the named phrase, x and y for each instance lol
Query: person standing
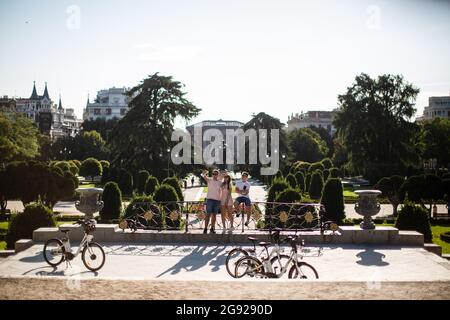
(226, 201)
(243, 189)
(212, 198)
(192, 181)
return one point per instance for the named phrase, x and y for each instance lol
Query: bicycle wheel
(249, 265)
(54, 252)
(305, 271)
(232, 258)
(278, 264)
(93, 256)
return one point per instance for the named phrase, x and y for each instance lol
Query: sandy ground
(44, 288)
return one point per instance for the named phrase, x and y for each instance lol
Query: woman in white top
(226, 202)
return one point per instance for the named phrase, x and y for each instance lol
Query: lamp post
(168, 152)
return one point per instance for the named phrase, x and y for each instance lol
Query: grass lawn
(437, 230)
(350, 194)
(2, 245)
(3, 226)
(90, 185)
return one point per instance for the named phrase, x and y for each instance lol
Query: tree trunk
(395, 209)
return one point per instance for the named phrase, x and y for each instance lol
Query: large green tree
(373, 120)
(102, 126)
(307, 145)
(18, 137)
(140, 140)
(87, 144)
(436, 140)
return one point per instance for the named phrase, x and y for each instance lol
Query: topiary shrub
(151, 185)
(290, 178)
(445, 236)
(112, 202)
(63, 165)
(302, 166)
(129, 211)
(277, 186)
(316, 166)
(105, 175)
(327, 163)
(91, 167)
(139, 206)
(307, 181)
(167, 193)
(141, 181)
(175, 183)
(316, 186)
(22, 225)
(326, 174)
(414, 217)
(333, 200)
(73, 168)
(77, 163)
(335, 172)
(289, 195)
(126, 183)
(104, 164)
(300, 178)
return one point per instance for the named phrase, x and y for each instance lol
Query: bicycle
(58, 250)
(238, 252)
(254, 267)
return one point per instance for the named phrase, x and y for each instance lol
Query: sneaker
(212, 231)
(205, 231)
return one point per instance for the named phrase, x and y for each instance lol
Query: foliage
(373, 121)
(306, 145)
(422, 188)
(154, 106)
(315, 188)
(136, 199)
(327, 163)
(316, 166)
(435, 138)
(175, 183)
(18, 137)
(91, 167)
(23, 224)
(112, 202)
(151, 185)
(278, 185)
(335, 172)
(126, 183)
(142, 180)
(326, 174)
(290, 178)
(391, 188)
(413, 217)
(333, 200)
(88, 144)
(300, 178)
(102, 126)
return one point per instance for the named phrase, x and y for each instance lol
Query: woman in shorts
(226, 202)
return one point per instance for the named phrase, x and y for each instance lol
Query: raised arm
(205, 175)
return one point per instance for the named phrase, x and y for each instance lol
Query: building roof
(217, 123)
(46, 92)
(34, 94)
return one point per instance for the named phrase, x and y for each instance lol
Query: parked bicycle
(267, 267)
(58, 250)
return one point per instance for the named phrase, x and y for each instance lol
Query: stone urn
(89, 203)
(367, 206)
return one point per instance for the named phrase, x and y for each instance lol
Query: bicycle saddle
(264, 244)
(252, 239)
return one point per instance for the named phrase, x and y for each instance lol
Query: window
(108, 111)
(123, 111)
(97, 111)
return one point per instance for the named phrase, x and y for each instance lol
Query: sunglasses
(215, 173)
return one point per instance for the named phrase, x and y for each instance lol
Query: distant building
(320, 119)
(49, 117)
(8, 103)
(109, 103)
(221, 125)
(437, 107)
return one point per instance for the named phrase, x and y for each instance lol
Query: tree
(412, 217)
(278, 185)
(327, 163)
(102, 126)
(18, 137)
(436, 141)
(112, 202)
(333, 200)
(373, 121)
(154, 106)
(91, 167)
(315, 188)
(306, 145)
(142, 180)
(290, 178)
(391, 188)
(326, 136)
(88, 144)
(265, 121)
(300, 178)
(126, 182)
(423, 189)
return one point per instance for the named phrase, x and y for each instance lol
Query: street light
(168, 151)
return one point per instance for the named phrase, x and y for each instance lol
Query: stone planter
(89, 203)
(367, 206)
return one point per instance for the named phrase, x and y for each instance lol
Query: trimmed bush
(414, 217)
(333, 200)
(278, 185)
(77, 163)
(73, 168)
(142, 180)
(175, 183)
(327, 163)
(105, 175)
(316, 166)
(335, 172)
(63, 165)
(300, 178)
(136, 199)
(105, 164)
(22, 225)
(307, 181)
(151, 185)
(126, 183)
(167, 193)
(445, 236)
(91, 167)
(112, 202)
(290, 178)
(289, 195)
(316, 186)
(326, 174)
(302, 166)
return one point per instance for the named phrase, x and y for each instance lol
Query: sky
(235, 58)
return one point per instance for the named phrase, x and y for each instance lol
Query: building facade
(437, 107)
(320, 119)
(48, 117)
(109, 103)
